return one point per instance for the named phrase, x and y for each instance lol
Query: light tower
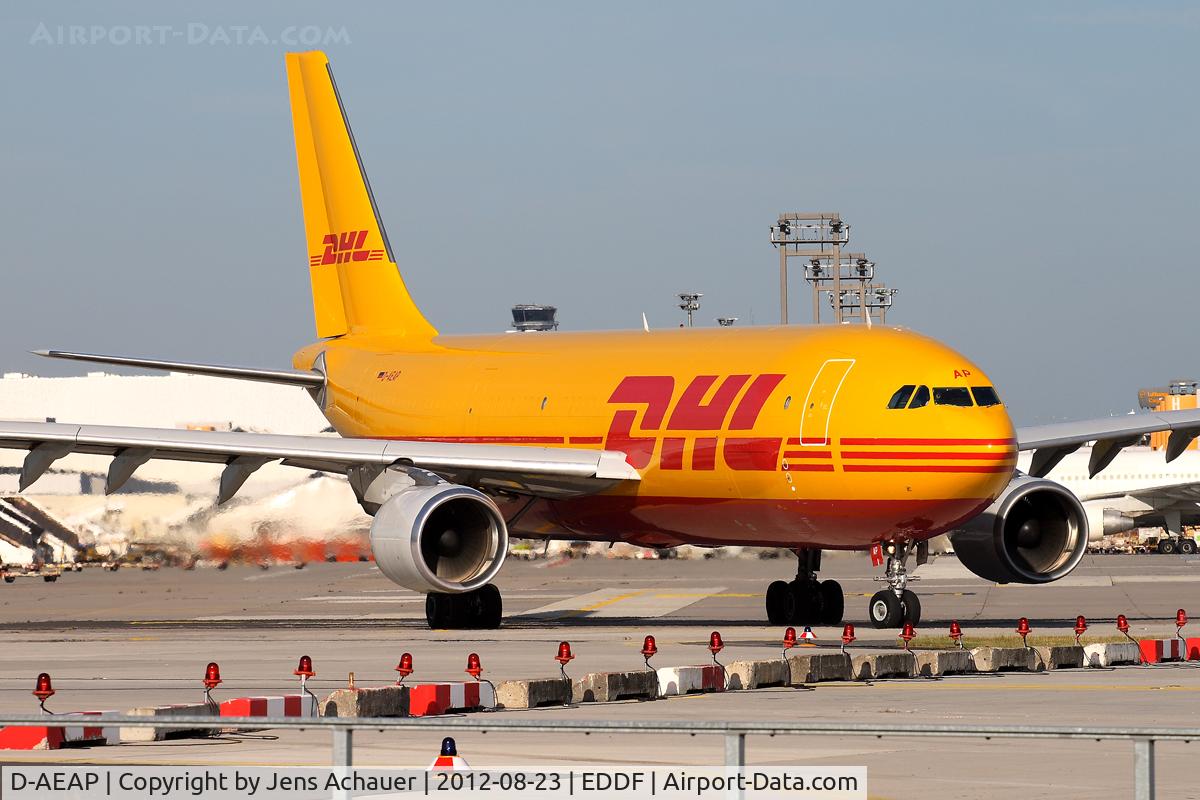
(726, 322)
(819, 234)
(690, 302)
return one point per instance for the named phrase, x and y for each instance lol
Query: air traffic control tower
(534, 318)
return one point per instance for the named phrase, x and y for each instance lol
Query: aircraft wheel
(781, 603)
(808, 603)
(833, 603)
(489, 607)
(1187, 547)
(9, 579)
(885, 609)
(49, 578)
(1166, 546)
(439, 610)
(480, 609)
(912, 607)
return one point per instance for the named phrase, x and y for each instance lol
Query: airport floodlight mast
(690, 302)
(726, 322)
(819, 272)
(806, 235)
(878, 301)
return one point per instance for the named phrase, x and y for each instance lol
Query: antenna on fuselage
(645, 323)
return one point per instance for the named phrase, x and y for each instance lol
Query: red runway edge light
(908, 633)
(44, 690)
(847, 635)
(474, 667)
(212, 675)
(715, 644)
(564, 653)
(1180, 618)
(1122, 624)
(956, 632)
(405, 667)
(649, 649)
(789, 638)
(305, 668)
(1081, 626)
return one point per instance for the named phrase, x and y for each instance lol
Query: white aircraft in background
(1137, 490)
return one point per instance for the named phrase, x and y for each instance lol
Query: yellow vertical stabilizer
(356, 285)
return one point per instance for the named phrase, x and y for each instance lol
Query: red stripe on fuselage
(927, 467)
(929, 442)
(807, 454)
(930, 454)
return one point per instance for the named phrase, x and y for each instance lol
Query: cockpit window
(920, 398)
(952, 396)
(985, 396)
(900, 398)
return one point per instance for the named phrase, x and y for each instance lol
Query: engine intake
(439, 538)
(1035, 532)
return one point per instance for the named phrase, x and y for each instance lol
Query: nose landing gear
(892, 607)
(805, 600)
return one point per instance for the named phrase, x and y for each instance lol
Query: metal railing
(735, 733)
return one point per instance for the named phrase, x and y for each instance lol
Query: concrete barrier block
(869, 666)
(375, 701)
(757, 674)
(1058, 657)
(533, 693)
(132, 734)
(605, 687)
(1003, 659)
(817, 667)
(1111, 654)
(690, 680)
(943, 662)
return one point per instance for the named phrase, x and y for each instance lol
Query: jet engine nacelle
(1106, 521)
(439, 538)
(1035, 532)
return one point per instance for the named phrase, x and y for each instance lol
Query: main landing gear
(479, 609)
(806, 600)
(896, 605)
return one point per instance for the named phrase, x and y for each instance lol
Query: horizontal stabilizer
(307, 380)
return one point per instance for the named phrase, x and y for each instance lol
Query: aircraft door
(818, 405)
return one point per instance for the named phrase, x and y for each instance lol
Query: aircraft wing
(1051, 443)
(1153, 495)
(535, 471)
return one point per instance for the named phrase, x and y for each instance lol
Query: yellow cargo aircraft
(806, 438)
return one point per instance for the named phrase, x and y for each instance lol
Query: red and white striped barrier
(686, 680)
(44, 737)
(1154, 651)
(288, 705)
(432, 699)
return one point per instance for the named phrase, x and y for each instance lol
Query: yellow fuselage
(778, 436)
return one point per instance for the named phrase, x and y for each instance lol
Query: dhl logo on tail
(343, 247)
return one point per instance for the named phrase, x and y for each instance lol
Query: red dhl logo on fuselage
(343, 247)
(691, 413)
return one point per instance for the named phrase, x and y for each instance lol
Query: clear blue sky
(1025, 173)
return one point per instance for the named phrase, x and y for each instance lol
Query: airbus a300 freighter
(807, 438)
